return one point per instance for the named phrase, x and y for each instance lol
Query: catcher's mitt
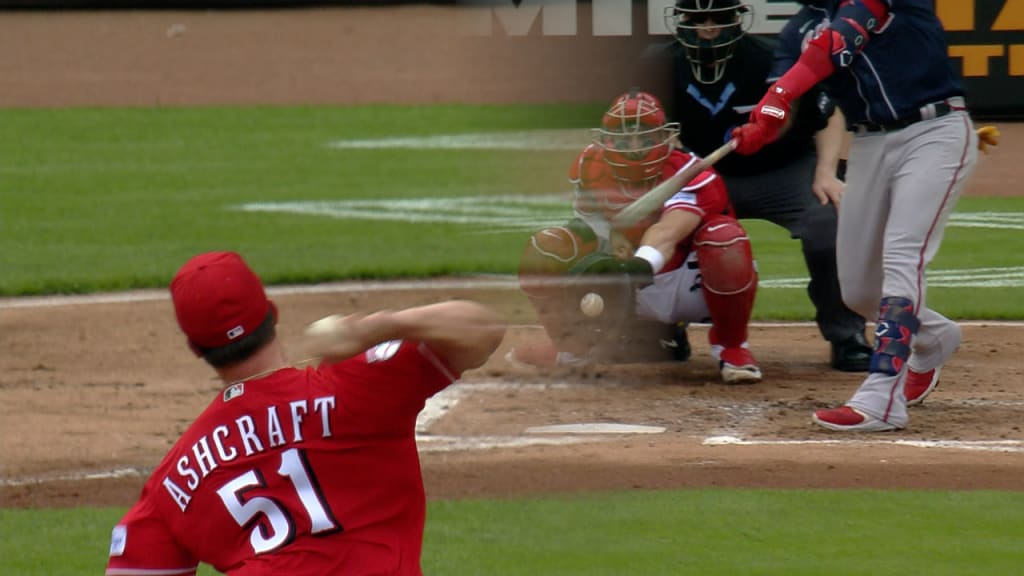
(615, 280)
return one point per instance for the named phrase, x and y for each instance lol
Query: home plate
(595, 428)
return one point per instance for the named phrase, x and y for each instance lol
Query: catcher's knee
(548, 255)
(725, 257)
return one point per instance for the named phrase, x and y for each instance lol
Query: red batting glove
(766, 121)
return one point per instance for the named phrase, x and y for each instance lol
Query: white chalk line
(75, 476)
(508, 212)
(730, 434)
(569, 139)
(976, 445)
(490, 282)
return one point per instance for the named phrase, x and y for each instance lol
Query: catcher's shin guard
(894, 334)
(728, 278)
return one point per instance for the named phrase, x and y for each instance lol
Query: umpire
(720, 73)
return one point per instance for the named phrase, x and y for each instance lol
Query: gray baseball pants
(901, 188)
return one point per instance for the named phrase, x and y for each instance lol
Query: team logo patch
(234, 391)
(118, 540)
(882, 329)
(685, 198)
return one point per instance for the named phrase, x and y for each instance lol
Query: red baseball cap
(218, 299)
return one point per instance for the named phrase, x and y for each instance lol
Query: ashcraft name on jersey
(279, 425)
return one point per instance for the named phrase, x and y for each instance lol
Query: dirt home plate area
(95, 389)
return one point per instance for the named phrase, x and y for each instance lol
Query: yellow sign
(959, 16)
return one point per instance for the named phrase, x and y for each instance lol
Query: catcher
(690, 261)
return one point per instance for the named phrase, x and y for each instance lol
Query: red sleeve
(392, 380)
(141, 544)
(704, 195)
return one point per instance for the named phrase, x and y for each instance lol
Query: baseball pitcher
(295, 471)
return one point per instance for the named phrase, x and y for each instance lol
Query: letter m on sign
(512, 18)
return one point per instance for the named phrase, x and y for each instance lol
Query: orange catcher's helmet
(636, 137)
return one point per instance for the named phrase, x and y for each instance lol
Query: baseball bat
(657, 196)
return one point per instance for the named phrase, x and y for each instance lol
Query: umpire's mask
(709, 31)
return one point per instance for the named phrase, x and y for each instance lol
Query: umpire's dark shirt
(709, 112)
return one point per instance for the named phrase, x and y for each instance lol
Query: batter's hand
(766, 121)
(988, 136)
(827, 187)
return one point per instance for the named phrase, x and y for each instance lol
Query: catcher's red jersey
(599, 192)
(311, 471)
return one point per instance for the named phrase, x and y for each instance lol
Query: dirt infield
(92, 394)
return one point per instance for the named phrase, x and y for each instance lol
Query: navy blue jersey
(903, 66)
(707, 113)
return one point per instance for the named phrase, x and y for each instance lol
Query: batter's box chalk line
(977, 445)
(596, 428)
(76, 476)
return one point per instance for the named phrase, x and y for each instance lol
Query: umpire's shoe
(852, 354)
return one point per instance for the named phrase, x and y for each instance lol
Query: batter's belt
(926, 112)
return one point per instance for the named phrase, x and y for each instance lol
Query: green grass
(779, 256)
(110, 199)
(704, 532)
(113, 199)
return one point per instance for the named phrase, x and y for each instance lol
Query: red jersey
(311, 471)
(599, 192)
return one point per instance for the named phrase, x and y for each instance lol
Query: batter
(914, 148)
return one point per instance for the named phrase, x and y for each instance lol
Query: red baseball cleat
(847, 419)
(918, 385)
(738, 366)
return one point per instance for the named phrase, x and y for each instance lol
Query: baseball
(325, 326)
(592, 305)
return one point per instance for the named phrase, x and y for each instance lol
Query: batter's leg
(859, 238)
(941, 167)
(929, 164)
(936, 342)
(863, 212)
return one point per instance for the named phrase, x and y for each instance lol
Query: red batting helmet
(636, 137)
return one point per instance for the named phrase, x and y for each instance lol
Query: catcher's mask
(636, 138)
(709, 31)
